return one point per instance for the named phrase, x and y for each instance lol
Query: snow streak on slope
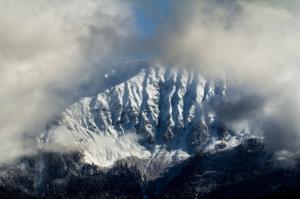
(160, 114)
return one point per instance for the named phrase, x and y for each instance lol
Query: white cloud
(256, 44)
(47, 50)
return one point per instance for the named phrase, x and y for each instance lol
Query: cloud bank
(48, 49)
(256, 45)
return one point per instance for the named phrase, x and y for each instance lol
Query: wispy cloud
(48, 49)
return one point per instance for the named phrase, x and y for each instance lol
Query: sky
(146, 21)
(50, 50)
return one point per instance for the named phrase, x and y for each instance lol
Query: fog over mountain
(254, 44)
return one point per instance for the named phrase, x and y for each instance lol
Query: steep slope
(158, 114)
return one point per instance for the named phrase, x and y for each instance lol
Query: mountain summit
(156, 114)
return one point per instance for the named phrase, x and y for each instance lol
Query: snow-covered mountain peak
(156, 114)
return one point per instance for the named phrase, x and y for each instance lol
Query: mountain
(151, 131)
(159, 114)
